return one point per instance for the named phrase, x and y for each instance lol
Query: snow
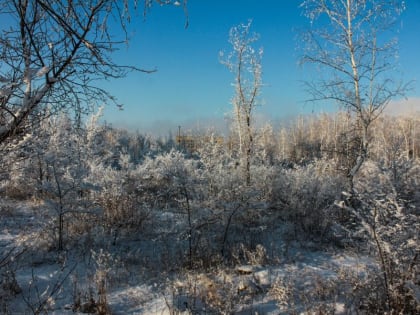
(137, 290)
(140, 295)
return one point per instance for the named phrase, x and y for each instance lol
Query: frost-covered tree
(66, 185)
(53, 53)
(54, 166)
(353, 44)
(245, 64)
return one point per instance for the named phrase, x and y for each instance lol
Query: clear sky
(191, 88)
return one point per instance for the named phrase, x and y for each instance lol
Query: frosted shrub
(116, 196)
(172, 183)
(265, 177)
(218, 292)
(103, 263)
(236, 206)
(243, 255)
(404, 178)
(303, 195)
(165, 176)
(389, 228)
(122, 196)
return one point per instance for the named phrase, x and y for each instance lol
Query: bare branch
(55, 52)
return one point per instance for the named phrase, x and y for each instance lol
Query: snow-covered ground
(300, 281)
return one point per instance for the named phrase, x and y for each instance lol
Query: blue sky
(191, 88)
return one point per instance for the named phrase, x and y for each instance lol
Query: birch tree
(53, 52)
(353, 44)
(245, 63)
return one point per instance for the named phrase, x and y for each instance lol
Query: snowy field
(299, 278)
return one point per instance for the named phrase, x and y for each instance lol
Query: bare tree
(245, 63)
(52, 53)
(353, 43)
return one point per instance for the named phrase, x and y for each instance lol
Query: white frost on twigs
(88, 45)
(29, 75)
(42, 71)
